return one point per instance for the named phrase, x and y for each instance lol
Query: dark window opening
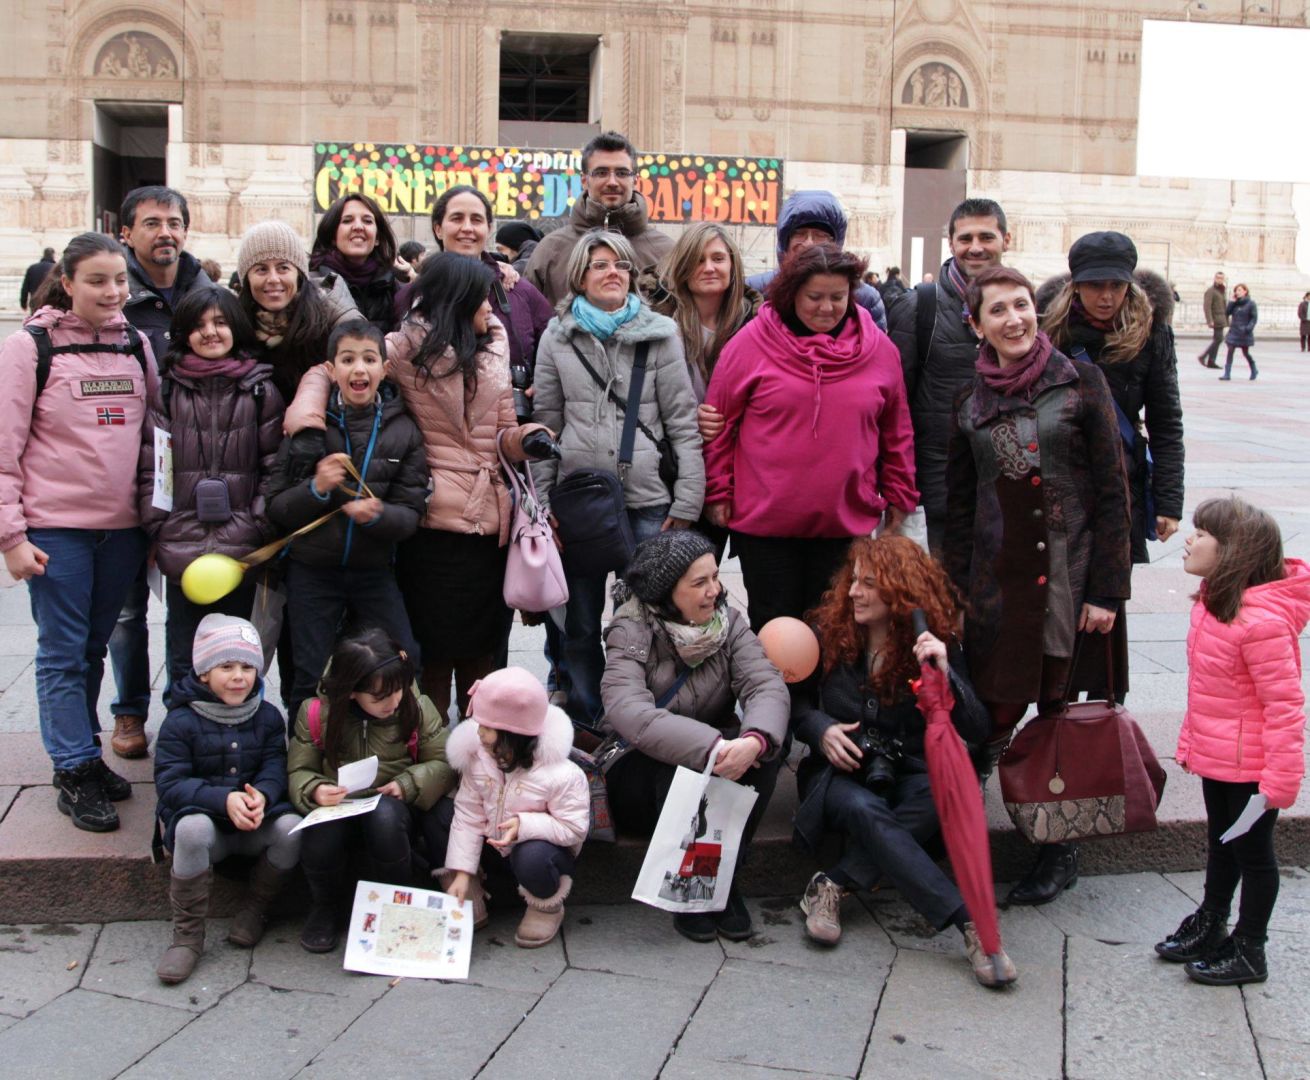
(129, 147)
(546, 78)
(936, 150)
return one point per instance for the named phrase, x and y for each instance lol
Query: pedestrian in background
(1242, 317)
(35, 276)
(1214, 305)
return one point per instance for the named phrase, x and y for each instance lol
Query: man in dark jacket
(1215, 306)
(929, 326)
(154, 223)
(36, 274)
(609, 200)
(816, 217)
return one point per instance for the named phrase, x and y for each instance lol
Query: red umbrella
(959, 802)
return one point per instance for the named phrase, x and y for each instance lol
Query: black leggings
(1246, 352)
(1249, 859)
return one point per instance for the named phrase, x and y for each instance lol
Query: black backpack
(46, 352)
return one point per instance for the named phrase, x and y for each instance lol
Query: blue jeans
(582, 648)
(129, 652)
(75, 605)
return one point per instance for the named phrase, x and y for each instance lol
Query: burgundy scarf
(1017, 379)
(356, 275)
(192, 366)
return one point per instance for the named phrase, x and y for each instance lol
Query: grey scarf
(229, 715)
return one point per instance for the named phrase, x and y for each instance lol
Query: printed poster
(162, 498)
(414, 933)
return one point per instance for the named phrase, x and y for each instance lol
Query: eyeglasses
(603, 266)
(618, 174)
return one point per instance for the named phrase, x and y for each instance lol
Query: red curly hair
(906, 578)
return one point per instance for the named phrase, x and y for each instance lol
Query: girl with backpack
(366, 706)
(224, 419)
(75, 378)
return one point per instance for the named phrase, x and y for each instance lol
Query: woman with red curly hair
(817, 443)
(866, 777)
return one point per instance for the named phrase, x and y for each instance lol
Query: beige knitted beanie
(271, 240)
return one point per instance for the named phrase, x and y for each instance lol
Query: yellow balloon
(210, 578)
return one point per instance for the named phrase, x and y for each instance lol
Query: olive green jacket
(422, 782)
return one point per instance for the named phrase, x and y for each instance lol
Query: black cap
(1102, 256)
(514, 234)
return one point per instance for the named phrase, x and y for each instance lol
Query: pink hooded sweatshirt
(817, 438)
(68, 459)
(1245, 719)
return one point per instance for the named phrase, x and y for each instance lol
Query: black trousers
(885, 836)
(1249, 859)
(638, 786)
(537, 865)
(1210, 354)
(786, 575)
(385, 837)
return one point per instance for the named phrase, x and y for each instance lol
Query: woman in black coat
(1242, 317)
(1117, 317)
(355, 242)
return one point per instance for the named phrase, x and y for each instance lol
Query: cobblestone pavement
(620, 995)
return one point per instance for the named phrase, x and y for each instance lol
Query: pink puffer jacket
(551, 799)
(1245, 719)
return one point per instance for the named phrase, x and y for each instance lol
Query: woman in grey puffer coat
(678, 663)
(603, 322)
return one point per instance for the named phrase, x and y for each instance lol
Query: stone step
(52, 872)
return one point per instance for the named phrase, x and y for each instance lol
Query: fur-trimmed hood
(1156, 288)
(553, 744)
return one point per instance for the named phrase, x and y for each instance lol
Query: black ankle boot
(1056, 869)
(1237, 960)
(322, 927)
(1197, 937)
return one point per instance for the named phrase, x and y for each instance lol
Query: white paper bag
(693, 851)
(162, 496)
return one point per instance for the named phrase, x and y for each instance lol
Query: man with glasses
(610, 201)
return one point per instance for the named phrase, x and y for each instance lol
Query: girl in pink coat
(1244, 731)
(521, 794)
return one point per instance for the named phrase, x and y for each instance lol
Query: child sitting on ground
(520, 792)
(221, 781)
(345, 565)
(366, 706)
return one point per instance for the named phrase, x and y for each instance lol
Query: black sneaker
(734, 921)
(696, 926)
(1196, 937)
(116, 787)
(1237, 960)
(82, 797)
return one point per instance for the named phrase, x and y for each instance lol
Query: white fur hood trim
(553, 744)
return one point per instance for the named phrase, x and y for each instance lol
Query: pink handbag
(534, 572)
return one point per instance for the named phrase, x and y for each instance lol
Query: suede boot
(477, 895)
(1197, 937)
(189, 899)
(541, 922)
(266, 881)
(1238, 959)
(1056, 869)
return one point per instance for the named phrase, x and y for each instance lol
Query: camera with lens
(520, 376)
(881, 755)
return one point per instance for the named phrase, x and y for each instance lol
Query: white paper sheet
(162, 497)
(410, 932)
(348, 808)
(155, 580)
(1257, 805)
(358, 775)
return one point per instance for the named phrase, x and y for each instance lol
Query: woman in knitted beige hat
(292, 315)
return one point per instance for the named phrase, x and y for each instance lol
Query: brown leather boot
(266, 881)
(542, 920)
(129, 738)
(189, 898)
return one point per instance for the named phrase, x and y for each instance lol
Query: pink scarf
(1017, 379)
(234, 367)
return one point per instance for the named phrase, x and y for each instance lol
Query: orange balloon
(792, 647)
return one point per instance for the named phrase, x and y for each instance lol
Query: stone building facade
(897, 105)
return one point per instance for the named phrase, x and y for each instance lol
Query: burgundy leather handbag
(1084, 772)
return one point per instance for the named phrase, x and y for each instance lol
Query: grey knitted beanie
(659, 562)
(271, 240)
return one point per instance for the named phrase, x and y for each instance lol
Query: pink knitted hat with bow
(511, 699)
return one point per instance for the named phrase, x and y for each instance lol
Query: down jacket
(459, 423)
(388, 450)
(551, 799)
(1242, 315)
(226, 428)
(69, 458)
(1245, 720)
(200, 762)
(1149, 381)
(641, 664)
(568, 401)
(422, 782)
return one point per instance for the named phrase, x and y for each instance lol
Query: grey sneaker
(822, 906)
(990, 971)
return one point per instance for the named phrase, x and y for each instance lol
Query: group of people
(1037, 432)
(1232, 322)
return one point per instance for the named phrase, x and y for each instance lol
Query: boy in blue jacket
(221, 781)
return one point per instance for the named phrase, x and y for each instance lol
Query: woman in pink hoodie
(1244, 731)
(816, 443)
(75, 378)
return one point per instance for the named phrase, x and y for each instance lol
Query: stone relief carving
(135, 55)
(935, 86)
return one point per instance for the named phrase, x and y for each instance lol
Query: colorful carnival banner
(529, 183)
